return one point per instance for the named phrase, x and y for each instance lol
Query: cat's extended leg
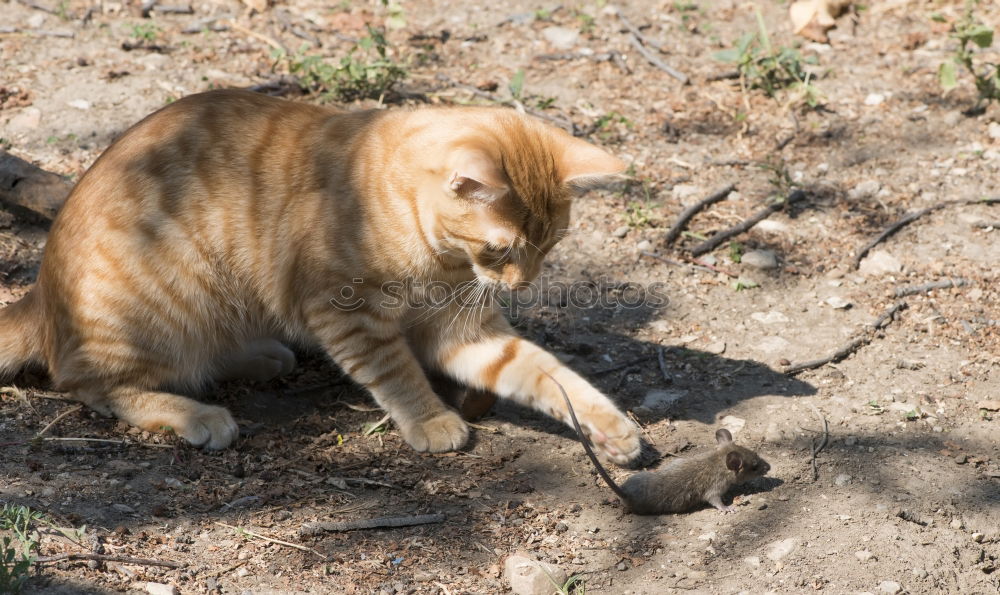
(514, 368)
(260, 360)
(202, 425)
(371, 349)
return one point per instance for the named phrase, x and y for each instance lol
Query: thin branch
(655, 61)
(816, 449)
(637, 33)
(910, 218)
(59, 417)
(272, 540)
(385, 522)
(915, 289)
(712, 242)
(108, 558)
(853, 345)
(691, 211)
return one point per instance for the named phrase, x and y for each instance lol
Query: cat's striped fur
(223, 225)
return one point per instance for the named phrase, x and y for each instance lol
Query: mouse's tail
(21, 334)
(586, 445)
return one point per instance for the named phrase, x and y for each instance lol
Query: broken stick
(384, 522)
(691, 211)
(106, 558)
(910, 218)
(712, 242)
(915, 289)
(652, 59)
(852, 345)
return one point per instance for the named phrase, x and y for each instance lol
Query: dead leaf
(813, 18)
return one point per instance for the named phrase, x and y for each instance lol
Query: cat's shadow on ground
(651, 380)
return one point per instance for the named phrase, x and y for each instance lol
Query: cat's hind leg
(204, 425)
(260, 360)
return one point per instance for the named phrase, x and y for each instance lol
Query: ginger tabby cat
(229, 222)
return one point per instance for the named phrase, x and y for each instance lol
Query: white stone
(891, 587)
(880, 262)
(994, 130)
(780, 549)
(644, 246)
(160, 589)
(874, 99)
(621, 232)
(837, 303)
(732, 423)
(864, 189)
(842, 479)
(81, 104)
(683, 192)
(561, 38)
(531, 577)
(760, 259)
(752, 561)
(863, 555)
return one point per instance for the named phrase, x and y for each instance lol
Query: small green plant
(145, 31)
(516, 84)
(640, 213)
(367, 71)
(770, 69)
(971, 33)
(735, 252)
(17, 554)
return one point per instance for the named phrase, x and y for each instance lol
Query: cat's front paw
(615, 436)
(209, 426)
(443, 432)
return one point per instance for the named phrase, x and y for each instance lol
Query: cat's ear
(476, 176)
(582, 166)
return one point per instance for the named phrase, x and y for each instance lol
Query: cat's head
(507, 193)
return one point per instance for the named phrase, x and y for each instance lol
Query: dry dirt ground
(906, 496)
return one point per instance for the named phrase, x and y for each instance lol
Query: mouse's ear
(734, 462)
(722, 436)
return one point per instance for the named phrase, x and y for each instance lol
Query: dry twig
(384, 522)
(57, 419)
(272, 540)
(853, 345)
(655, 61)
(712, 242)
(694, 209)
(910, 218)
(817, 448)
(915, 289)
(108, 558)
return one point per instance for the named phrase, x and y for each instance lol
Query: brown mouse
(684, 482)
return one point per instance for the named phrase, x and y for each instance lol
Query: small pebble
(621, 232)
(779, 549)
(919, 573)
(961, 459)
(644, 246)
(622, 566)
(956, 523)
(978, 537)
(160, 589)
(891, 587)
(864, 555)
(842, 479)
(760, 259)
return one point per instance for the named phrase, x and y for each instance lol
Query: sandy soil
(907, 492)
